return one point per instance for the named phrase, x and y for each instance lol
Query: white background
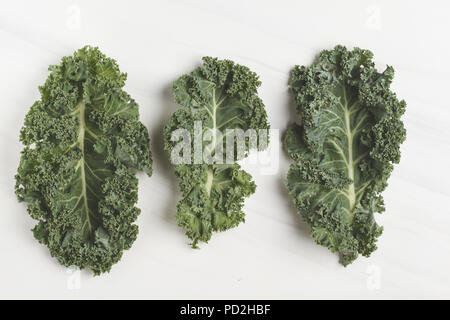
(271, 255)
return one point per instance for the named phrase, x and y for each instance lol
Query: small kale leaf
(220, 96)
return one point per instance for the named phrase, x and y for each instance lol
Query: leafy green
(344, 148)
(77, 174)
(219, 95)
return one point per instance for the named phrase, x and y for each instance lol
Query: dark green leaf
(220, 95)
(344, 148)
(77, 174)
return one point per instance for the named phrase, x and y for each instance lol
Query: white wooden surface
(271, 255)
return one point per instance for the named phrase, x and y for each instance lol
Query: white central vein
(351, 170)
(213, 114)
(81, 136)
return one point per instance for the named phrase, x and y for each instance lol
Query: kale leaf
(219, 95)
(84, 145)
(344, 148)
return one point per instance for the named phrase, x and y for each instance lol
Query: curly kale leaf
(77, 174)
(344, 149)
(220, 95)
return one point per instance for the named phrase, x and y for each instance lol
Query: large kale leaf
(344, 148)
(77, 174)
(219, 95)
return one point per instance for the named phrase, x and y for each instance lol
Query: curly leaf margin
(344, 148)
(220, 95)
(84, 145)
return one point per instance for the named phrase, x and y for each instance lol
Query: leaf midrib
(215, 105)
(81, 107)
(350, 165)
(213, 115)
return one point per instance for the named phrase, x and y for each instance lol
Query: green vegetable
(219, 95)
(344, 148)
(77, 174)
